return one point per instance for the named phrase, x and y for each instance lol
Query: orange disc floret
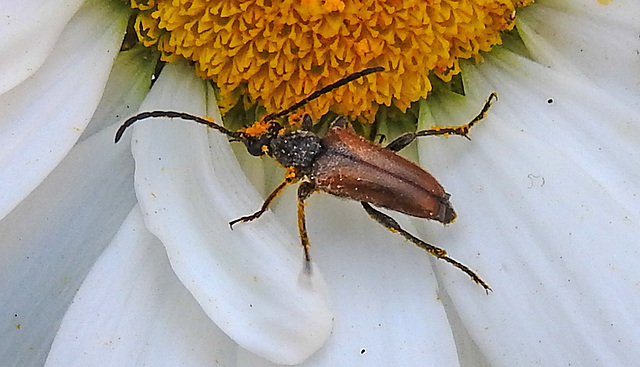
(280, 51)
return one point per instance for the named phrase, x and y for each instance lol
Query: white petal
(586, 38)
(41, 119)
(384, 295)
(548, 214)
(65, 223)
(29, 31)
(126, 88)
(248, 280)
(132, 311)
(51, 240)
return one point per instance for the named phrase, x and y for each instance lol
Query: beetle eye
(256, 146)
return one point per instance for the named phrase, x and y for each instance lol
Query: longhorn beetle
(346, 165)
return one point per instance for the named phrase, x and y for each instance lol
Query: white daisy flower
(121, 254)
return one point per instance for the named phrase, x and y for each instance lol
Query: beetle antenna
(346, 80)
(270, 117)
(174, 114)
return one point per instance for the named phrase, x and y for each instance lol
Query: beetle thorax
(296, 149)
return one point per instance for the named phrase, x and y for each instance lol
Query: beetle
(344, 164)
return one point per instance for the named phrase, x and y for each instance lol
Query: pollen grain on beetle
(278, 51)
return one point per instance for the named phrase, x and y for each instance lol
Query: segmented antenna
(346, 80)
(173, 114)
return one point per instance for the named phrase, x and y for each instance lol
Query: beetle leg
(393, 226)
(307, 123)
(463, 130)
(340, 121)
(304, 191)
(401, 142)
(289, 179)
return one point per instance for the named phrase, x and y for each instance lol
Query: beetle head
(290, 148)
(257, 137)
(257, 145)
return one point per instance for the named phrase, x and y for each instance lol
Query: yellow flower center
(280, 51)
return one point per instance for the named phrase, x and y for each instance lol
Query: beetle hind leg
(462, 130)
(392, 225)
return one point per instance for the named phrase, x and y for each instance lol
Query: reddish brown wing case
(355, 168)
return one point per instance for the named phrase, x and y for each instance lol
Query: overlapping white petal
(546, 193)
(42, 118)
(50, 241)
(249, 280)
(587, 39)
(133, 311)
(549, 214)
(384, 295)
(29, 32)
(52, 238)
(128, 84)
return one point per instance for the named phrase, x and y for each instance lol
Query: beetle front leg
(393, 226)
(463, 130)
(289, 179)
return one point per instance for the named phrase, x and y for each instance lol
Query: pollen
(277, 52)
(257, 129)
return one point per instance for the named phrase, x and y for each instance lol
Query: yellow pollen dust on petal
(278, 52)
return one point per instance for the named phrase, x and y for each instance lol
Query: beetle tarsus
(308, 268)
(463, 130)
(469, 272)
